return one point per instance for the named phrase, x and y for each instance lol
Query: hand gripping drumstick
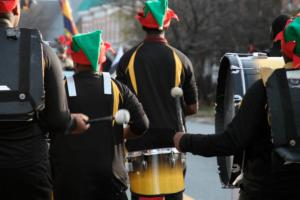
(177, 92)
(121, 117)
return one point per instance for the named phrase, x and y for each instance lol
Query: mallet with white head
(177, 93)
(122, 117)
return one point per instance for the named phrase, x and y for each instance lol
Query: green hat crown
(292, 33)
(158, 8)
(90, 44)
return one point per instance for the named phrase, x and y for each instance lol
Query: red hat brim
(8, 5)
(150, 22)
(288, 48)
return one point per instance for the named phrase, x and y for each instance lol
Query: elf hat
(7, 5)
(89, 49)
(290, 42)
(156, 14)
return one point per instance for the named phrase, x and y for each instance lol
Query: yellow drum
(156, 171)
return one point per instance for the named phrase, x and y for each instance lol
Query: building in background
(44, 15)
(115, 18)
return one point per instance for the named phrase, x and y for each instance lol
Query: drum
(236, 74)
(156, 172)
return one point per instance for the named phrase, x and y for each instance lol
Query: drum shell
(162, 174)
(236, 74)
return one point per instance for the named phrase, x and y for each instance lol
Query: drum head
(237, 72)
(224, 113)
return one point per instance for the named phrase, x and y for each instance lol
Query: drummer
(267, 176)
(151, 69)
(92, 167)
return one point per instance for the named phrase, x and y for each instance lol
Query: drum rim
(150, 152)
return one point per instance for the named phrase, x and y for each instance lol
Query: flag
(69, 25)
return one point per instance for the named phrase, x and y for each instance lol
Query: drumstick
(177, 93)
(100, 119)
(121, 117)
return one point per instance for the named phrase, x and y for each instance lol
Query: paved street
(202, 180)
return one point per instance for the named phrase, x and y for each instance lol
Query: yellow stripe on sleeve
(131, 70)
(178, 69)
(116, 93)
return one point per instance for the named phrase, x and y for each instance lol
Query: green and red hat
(7, 5)
(89, 49)
(290, 43)
(156, 14)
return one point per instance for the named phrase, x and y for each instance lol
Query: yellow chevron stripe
(178, 69)
(131, 70)
(116, 93)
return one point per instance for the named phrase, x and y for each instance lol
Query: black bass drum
(236, 74)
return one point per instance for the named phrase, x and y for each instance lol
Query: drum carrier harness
(21, 75)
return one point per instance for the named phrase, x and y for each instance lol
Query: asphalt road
(202, 180)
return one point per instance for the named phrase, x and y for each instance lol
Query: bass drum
(236, 74)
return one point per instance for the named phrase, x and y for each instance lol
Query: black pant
(178, 196)
(31, 182)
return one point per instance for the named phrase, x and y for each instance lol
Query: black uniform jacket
(264, 174)
(151, 70)
(91, 165)
(23, 144)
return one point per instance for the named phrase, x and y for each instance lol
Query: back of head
(278, 25)
(290, 42)
(10, 11)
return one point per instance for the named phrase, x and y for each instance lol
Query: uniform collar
(86, 72)
(156, 38)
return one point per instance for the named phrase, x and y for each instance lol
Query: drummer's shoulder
(181, 55)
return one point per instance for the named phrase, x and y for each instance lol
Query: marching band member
(269, 172)
(24, 164)
(92, 167)
(151, 70)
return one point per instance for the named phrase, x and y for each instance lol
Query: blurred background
(206, 30)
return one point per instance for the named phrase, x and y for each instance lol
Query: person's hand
(176, 139)
(81, 123)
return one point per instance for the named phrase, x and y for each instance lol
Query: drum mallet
(121, 117)
(177, 93)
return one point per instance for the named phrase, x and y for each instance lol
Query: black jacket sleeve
(139, 122)
(240, 134)
(57, 115)
(189, 86)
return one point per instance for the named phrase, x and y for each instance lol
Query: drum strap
(106, 83)
(131, 66)
(71, 86)
(117, 97)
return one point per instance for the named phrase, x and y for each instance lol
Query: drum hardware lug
(237, 99)
(235, 168)
(183, 160)
(172, 160)
(129, 166)
(144, 165)
(234, 69)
